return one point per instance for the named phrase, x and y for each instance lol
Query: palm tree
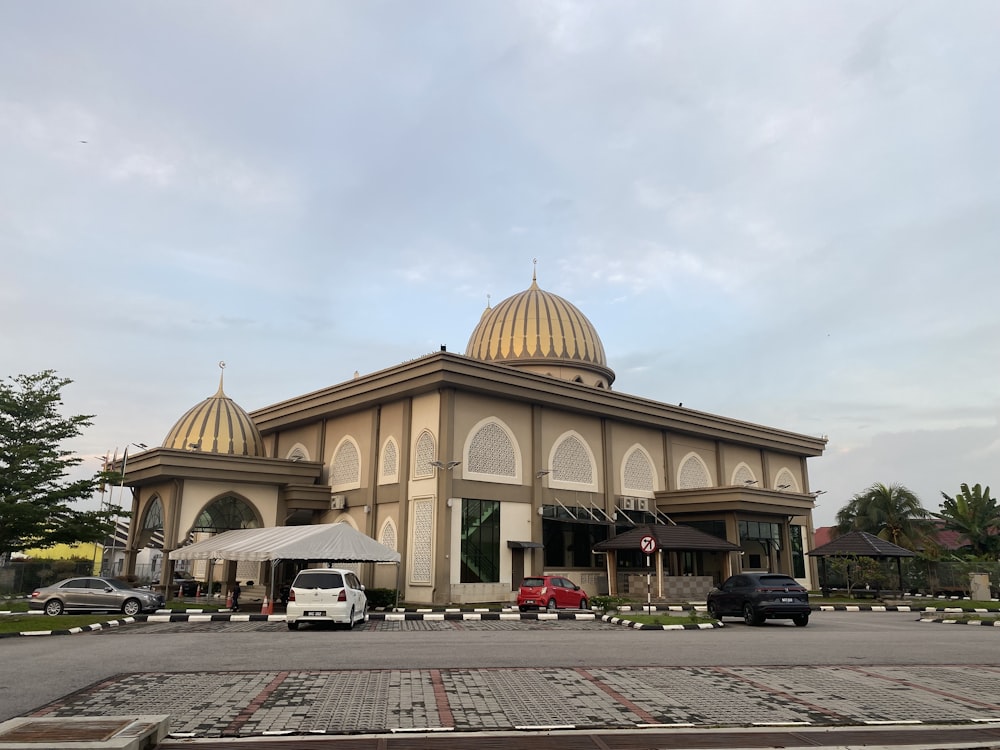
(975, 515)
(891, 512)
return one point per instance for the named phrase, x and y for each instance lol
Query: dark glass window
(568, 543)
(480, 549)
(798, 556)
(319, 579)
(224, 514)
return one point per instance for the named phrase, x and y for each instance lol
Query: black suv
(760, 596)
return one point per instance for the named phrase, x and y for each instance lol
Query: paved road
(224, 679)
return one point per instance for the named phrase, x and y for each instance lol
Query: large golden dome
(542, 332)
(216, 425)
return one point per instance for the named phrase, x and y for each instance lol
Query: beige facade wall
(198, 494)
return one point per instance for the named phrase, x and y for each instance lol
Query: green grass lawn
(32, 623)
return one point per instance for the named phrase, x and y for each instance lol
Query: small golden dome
(216, 425)
(542, 332)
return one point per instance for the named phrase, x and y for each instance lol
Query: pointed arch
(693, 473)
(150, 531)
(298, 453)
(571, 463)
(425, 451)
(491, 453)
(387, 534)
(346, 518)
(638, 473)
(743, 476)
(345, 468)
(784, 480)
(388, 470)
(226, 512)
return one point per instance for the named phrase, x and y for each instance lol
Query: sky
(782, 212)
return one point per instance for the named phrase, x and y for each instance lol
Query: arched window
(345, 471)
(786, 481)
(224, 514)
(743, 476)
(387, 535)
(491, 453)
(426, 451)
(571, 464)
(638, 474)
(151, 530)
(389, 467)
(693, 473)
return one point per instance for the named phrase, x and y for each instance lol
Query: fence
(21, 578)
(920, 576)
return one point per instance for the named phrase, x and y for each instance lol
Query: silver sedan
(93, 594)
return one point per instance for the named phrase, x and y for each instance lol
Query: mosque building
(514, 459)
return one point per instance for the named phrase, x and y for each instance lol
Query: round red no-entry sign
(647, 544)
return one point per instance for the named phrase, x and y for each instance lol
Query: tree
(891, 512)
(975, 515)
(35, 494)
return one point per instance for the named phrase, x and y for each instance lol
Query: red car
(550, 592)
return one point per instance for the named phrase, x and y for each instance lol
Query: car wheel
(53, 607)
(292, 625)
(350, 620)
(583, 603)
(801, 620)
(750, 617)
(551, 606)
(131, 607)
(713, 611)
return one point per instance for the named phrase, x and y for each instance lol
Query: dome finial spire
(534, 273)
(222, 372)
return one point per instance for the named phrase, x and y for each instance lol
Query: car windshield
(533, 582)
(319, 580)
(115, 583)
(778, 581)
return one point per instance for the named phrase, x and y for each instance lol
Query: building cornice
(158, 464)
(450, 370)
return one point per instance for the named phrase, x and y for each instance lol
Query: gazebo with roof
(861, 544)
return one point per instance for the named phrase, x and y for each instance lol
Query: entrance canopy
(332, 542)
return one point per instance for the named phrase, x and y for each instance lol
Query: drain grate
(54, 730)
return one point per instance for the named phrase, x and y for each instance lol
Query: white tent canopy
(332, 542)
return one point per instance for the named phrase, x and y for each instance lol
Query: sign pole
(648, 546)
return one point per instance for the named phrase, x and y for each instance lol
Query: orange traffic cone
(265, 606)
(229, 600)
(197, 593)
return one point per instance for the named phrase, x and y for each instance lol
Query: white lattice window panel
(421, 548)
(389, 471)
(693, 474)
(423, 455)
(786, 481)
(743, 475)
(637, 475)
(491, 452)
(346, 469)
(572, 464)
(388, 534)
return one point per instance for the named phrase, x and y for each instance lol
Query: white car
(326, 595)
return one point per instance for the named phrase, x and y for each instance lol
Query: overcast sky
(781, 212)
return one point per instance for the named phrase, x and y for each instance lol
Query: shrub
(604, 603)
(380, 598)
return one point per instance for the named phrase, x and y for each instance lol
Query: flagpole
(121, 491)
